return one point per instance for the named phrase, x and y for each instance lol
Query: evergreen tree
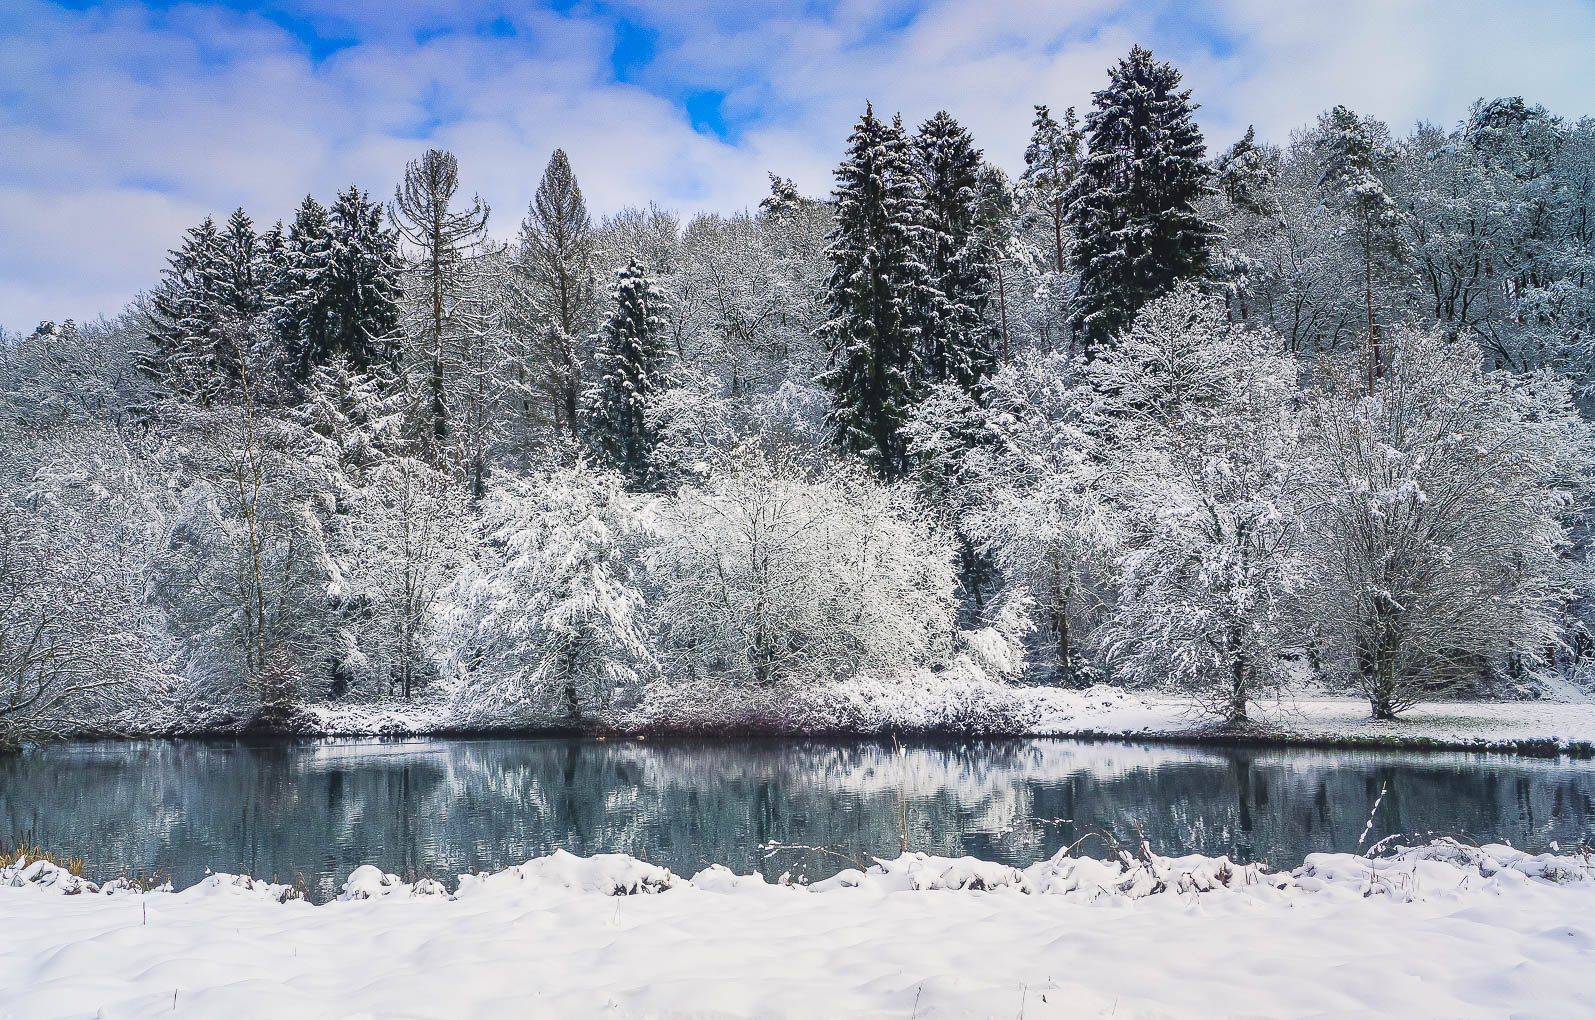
(630, 358)
(957, 343)
(362, 285)
(445, 242)
(994, 230)
(554, 274)
(296, 297)
(1353, 157)
(204, 312)
(879, 296)
(1245, 172)
(1052, 161)
(1133, 204)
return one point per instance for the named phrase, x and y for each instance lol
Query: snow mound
(605, 874)
(244, 887)
(44, 875)
(1444, 866)
(48, 877)
(369, 883)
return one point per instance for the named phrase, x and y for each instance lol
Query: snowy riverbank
(985, 708)
(1439, 930)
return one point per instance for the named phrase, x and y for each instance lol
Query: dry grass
(33, 852)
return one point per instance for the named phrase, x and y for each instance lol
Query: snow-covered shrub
(1437, 518)
(546, 623)
(764, 576)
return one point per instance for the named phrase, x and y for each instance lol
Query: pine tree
(362, 284)
(957, 345)
(1244, 174)
(446, 244)
(879, 296)
(1052, 161)
(994, 230)
(630, 356)
(296, 297)
(554, 274)
(204, 310)
(1352, 158)
(1133, 204)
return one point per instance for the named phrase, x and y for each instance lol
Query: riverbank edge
(1251, 735)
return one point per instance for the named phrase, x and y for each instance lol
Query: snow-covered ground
(1441, 930)
(960, 703)
(1111, 711)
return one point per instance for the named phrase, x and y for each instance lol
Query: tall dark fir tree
(880, 296)
(630, 360)
(957, 345)
(296, 302)
(206, 309)
(1133, 203)
(362, 288)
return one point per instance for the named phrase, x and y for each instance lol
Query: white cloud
(121, 126)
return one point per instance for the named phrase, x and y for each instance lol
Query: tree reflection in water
(441, 807)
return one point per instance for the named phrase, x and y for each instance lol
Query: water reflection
(318, 810)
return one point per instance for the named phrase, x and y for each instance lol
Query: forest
(1219, 420)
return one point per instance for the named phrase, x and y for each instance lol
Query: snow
(964, 699)
(1442, 929)
(1503, 725)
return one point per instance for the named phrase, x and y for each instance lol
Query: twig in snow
(1369, 827)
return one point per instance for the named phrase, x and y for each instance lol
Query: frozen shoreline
(1440, 930)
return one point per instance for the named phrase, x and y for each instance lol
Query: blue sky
(122, 123)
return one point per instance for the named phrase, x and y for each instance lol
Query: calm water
(316, 810)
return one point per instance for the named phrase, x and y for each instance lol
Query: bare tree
(1436, 518)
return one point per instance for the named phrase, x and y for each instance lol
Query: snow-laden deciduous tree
(80, 643)
(1437, 515)
(1034, 491)
(241, 573)
(767, 576)
(1206, 472)
(391, 527)
(545, 623)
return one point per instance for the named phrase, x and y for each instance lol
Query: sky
(121, 124)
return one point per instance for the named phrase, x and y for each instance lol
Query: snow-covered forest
(1157, 410)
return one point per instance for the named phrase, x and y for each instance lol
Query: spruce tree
(1353, 159)
(190, 321)
(957, 344)
(630, 356)
(297, 305)
(1133, 205)
(1052, 161)
(879, 296)
(362, 285)
(1245, 172)
(554, 278)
